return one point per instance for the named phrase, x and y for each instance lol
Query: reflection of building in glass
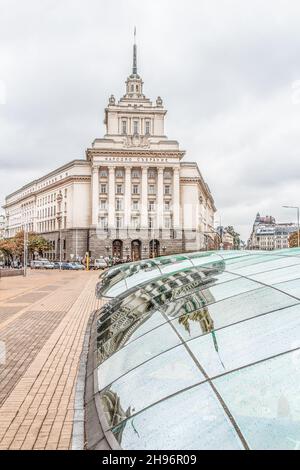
(178, 294)
(113, 410)
(202, 317)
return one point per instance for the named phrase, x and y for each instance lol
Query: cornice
(92, 152)
(33, 194)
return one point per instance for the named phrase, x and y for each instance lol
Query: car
(100, 263)
(37, 264)
(76, 266)
(60, 265)
(48, 265)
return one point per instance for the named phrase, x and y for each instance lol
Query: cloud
(227, 72)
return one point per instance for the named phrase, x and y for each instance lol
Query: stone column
(111, 197)
(127, 197)
(176, 198)
(144, 198)
(160, 197)
(95, 195)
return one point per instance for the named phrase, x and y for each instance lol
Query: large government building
(133, 196)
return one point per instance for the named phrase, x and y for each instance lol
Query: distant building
(226, 239)
(2, 226)
(268, 235)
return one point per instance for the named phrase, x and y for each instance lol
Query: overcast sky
(227, 70)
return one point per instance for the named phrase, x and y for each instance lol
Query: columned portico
(176, 198)
(160, 197)
(111, 197)
(95, 194)
(144, 198)
(127, 197)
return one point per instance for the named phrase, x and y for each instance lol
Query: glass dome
(202, 351)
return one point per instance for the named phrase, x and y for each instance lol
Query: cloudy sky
(228, 71)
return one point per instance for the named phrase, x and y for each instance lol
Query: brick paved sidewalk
(42, 324)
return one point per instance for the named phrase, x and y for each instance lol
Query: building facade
(269, 235)
(132, 197)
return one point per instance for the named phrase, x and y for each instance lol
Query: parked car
(76, 266)
(65, 265)
(48, 265)
(100, 263)
(37, 264)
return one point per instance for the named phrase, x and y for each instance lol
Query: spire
(134, 67)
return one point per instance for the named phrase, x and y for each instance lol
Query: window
(103, 204)
(136, 88)
(119, 173)
(152, 174)
(135, 127)
(147, 127)
(135, 174)
(151, 189)
(151, 222)
(132, 88)
(135, 222)
(135, 205)
(167, 222)
(167, 189)
(103, 174)
(151, 206)
(135, 189)
(103, 222)
(167, 205)
(119, 222)
(124, 127)
(103, 189)
(119, 189)
(118, 204)
(167, 174)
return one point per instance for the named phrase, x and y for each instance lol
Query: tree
(7, 247)
(235, 235)
(14, 247)
(293, 240)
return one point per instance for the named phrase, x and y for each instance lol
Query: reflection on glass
(129, 316)
(190, 420)
(236, 309)
(135, 353)
(152, 381)
(249, 341)
(264, 401)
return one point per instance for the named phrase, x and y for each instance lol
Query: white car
(100, 263)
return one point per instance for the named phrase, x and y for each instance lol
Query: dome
(199, 351)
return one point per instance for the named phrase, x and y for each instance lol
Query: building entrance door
(153, 248)
(117, 249)
(135, 250)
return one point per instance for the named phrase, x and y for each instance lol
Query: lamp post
(25, 252)
(298, 220)
(59, 220)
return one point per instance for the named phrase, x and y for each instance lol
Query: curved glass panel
(264, 401)
(202, 351)
(190, 420)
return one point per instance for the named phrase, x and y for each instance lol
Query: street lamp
(298, 219)
(59, 220)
